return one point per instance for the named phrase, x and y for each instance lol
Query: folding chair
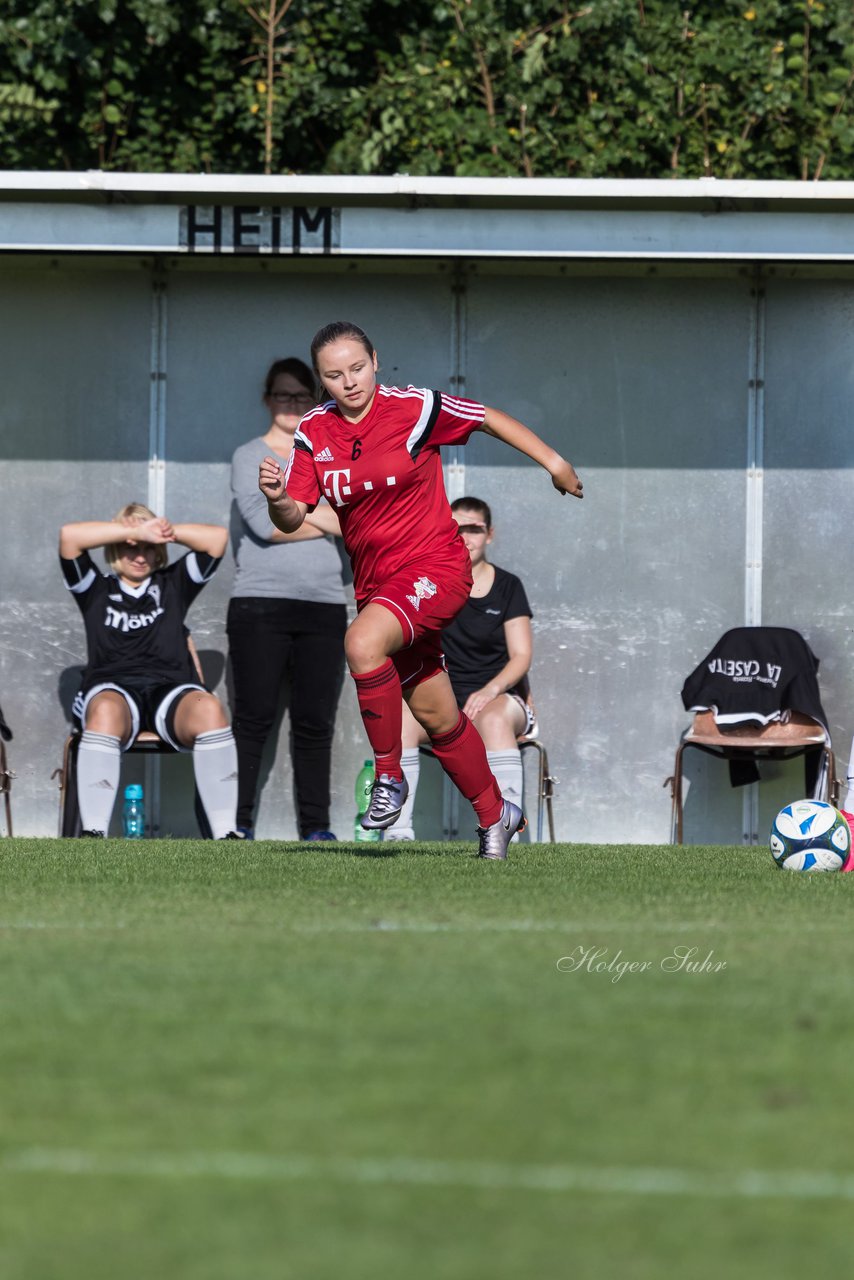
(146, 742)
(545, 789)
(6, 774)
(776, 741)
(760, 687)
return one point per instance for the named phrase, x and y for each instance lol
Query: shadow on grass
(396, 849)
(372, 849)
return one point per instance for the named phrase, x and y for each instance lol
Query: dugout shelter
(687, 345)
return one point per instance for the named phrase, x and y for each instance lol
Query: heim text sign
(257, 229)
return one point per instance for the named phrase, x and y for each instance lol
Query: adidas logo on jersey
(325, 455)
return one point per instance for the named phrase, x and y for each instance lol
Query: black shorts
(152, 707)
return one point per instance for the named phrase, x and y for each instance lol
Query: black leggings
(299, 643)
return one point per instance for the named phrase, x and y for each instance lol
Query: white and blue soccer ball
(810, 835)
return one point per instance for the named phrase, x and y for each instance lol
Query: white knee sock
(215, 767)
(99, 761)
(403, 829)
(507, 770)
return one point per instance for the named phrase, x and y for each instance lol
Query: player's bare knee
(492, 718)
(210, 711)
(198, 713)
(107, 713)
(362, 651)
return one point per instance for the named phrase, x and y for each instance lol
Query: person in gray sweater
(286, 618)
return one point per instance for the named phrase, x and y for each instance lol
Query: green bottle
(364, 782)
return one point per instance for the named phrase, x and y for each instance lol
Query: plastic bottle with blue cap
(133, 812)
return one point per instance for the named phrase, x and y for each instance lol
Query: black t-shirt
(474, 643)
(135, 635)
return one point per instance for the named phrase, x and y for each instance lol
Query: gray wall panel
(642, 384)
(225, 329)
(75, 361)
(642, 372)
(73, 445)
(809, 394)
(809, 452)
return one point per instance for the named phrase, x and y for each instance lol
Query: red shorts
(423, 604)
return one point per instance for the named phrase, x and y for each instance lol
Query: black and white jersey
(474, 644)
(136, 635)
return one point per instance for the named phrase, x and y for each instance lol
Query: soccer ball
(810, 835)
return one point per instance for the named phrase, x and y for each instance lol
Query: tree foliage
(616, 88)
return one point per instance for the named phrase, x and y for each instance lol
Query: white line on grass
(553, 926)
(442, 926)
(62, 924)
(413, 926)
(500, 926)
(749, 1183)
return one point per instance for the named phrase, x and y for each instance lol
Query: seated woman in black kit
(488, 649)
(139, 673)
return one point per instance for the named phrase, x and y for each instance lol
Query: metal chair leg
(545, 788)
(6, 776)
(677, 819)
(69, 814)
(676, 808)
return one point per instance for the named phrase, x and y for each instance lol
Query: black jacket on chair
(756, 675)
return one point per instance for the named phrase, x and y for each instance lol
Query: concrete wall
(708, 410)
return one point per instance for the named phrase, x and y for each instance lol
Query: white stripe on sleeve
(423, 418)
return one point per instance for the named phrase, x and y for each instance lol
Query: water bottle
(364, 782)
(133, 812)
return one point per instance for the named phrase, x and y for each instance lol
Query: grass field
(340, 1061)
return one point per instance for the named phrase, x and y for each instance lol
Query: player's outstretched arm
(86, 534)
(210, 538)
(285, 512)
(503, 427)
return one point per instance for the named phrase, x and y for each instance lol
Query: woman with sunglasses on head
(488, 649)
(286, 618)
(139, 672)
(373, 452)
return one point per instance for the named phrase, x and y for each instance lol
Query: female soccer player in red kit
(373, 452)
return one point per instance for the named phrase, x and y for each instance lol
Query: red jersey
(383, 477)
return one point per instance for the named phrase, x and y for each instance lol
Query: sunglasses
(288, 397)
(134, 548)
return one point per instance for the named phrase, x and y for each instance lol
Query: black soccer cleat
(92, 835)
